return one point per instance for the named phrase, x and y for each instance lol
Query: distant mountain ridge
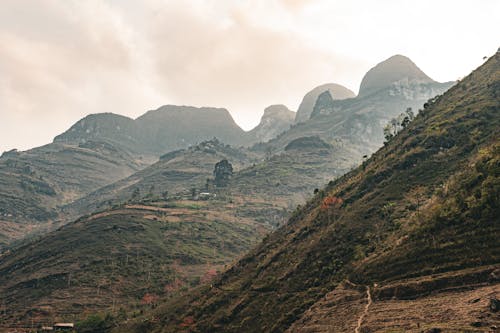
(387, 90)
(159, 131)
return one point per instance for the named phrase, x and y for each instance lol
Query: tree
(136, 194)
(223, 172)
(165, 195)
(395, 125)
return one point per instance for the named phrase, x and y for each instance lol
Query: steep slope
(34, 183)
(275, 120)
(417, 222)
(358, 122)
(306, 106)
(168, 128)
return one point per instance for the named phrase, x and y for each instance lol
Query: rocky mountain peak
(337, 92)
(323, 105)
(389, 71)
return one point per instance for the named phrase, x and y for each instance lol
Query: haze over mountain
(64, 61)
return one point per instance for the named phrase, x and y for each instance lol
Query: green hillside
(416, 224)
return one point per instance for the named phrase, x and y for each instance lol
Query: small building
(206, 196)
(64, 327)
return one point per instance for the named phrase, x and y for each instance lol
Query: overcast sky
(61, 60)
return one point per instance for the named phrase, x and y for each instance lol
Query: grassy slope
(34, 183)
(425, 203)
(119, 256)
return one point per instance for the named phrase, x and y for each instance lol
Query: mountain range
(127, 215)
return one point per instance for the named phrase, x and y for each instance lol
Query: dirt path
(363, 315)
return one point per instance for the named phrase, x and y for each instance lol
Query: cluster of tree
(397, 124)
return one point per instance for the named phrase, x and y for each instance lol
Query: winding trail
(363, 315)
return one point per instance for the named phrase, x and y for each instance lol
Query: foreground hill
(406, 242)
(34, 183)
(121, 258)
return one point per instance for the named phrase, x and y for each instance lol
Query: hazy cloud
(60, 60)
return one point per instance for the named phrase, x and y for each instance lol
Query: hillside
(176, 172)
(260, 196)
(357, 123)
(406, 242)
(120, 259)
(34, 183)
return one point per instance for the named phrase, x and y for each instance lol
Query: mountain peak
(276, 119)
(393, 69)
(306, 106)
(278, 110)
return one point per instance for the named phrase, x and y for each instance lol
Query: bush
(96, 324)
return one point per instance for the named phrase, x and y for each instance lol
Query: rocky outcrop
(324, 104)
(275, 120)
(337, 92)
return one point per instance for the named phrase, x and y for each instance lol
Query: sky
(61, 60)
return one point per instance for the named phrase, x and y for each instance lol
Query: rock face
(324, 104)
(275, 120)
(337, 92)
(156, 132)
(397, 68)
